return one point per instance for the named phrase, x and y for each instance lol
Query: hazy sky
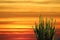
(29, 6)
(26, 12)
(16, 7)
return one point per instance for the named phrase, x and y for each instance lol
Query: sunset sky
(24, 13)
(18, 16)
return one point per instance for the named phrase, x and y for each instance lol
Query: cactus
(45, 31)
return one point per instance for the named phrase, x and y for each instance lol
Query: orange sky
(24, 13)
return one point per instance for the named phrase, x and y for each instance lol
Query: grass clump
(45, 31)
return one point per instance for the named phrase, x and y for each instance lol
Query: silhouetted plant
(45, 31)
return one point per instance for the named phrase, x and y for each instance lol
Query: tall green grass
(45, 31)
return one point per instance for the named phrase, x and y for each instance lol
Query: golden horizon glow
(23, 22)
(15, 26)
